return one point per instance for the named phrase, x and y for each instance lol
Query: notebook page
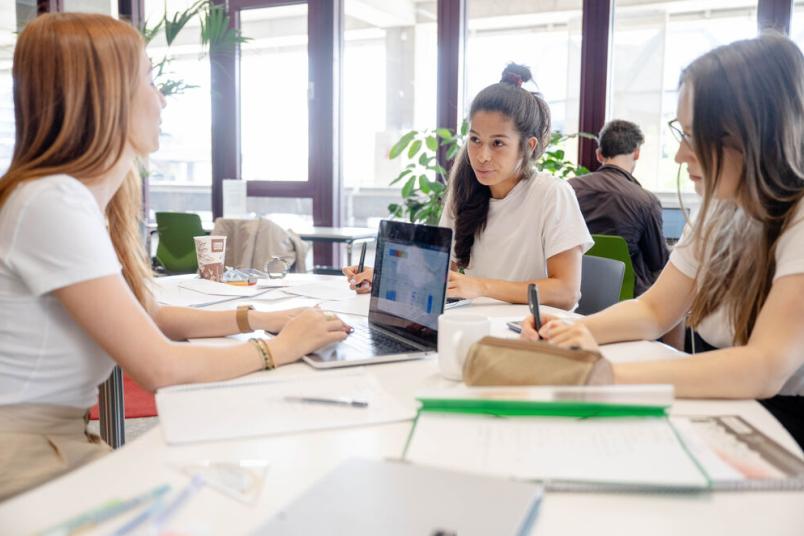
(622, 451)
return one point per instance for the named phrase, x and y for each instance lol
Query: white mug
(456, 333)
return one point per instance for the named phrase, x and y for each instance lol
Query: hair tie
(512, 78)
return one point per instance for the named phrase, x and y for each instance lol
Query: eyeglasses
(679, 134)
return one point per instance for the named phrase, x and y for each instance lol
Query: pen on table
(328, 401)
(362, 264)
(533, 304)
(161, 516)
(105, 512)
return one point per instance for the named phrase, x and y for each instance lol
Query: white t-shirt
(716, 329)
(538, 219)
(52, 235)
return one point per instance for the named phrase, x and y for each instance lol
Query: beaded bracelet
(265, 353)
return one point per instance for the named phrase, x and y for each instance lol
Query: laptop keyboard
(373, 342)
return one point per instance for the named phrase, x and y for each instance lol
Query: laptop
(673, 222)
(407, 296)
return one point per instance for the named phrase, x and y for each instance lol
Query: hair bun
(515, 75)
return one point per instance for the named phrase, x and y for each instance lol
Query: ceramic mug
(456, 333)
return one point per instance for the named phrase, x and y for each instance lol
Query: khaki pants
(41, 442)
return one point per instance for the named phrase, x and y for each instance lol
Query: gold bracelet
(267, 362)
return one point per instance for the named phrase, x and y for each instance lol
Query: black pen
(362, 263)
(533, 303)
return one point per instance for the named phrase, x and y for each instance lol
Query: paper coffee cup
(210, 251)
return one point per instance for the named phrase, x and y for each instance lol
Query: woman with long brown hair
(74, 298)
(739, 273)
(512, 225)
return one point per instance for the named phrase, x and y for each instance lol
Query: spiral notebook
(618, 453)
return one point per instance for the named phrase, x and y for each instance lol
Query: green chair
(176, 249)
(615, 247)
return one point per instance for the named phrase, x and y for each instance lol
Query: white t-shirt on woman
(716, 329)
(539, 218)
(52, 235)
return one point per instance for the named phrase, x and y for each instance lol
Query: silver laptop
(407, 296)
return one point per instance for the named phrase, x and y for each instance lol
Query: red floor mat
(139, 402)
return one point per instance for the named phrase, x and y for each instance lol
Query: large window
(651, 43)
(274, 86)
(13, 17)
(544, 35)
(389, 88)
(180, 175)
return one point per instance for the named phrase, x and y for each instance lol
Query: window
(106, 7)
(797, 24)
(545, 36)
(388, 88)
(650, 45)
(274, 86)
(180, 172)
(12, 18)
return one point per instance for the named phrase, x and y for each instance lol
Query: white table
(297, 461)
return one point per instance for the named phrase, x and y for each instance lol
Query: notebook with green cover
(584, 438)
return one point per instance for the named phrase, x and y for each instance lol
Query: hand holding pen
(359, 276)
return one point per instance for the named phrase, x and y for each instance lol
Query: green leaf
(445, 133)
(423, 159)
(401, 176)
(432, 143)
(464, 127)
(440, 170)
(424, 184)
(408, 188)
(437, 187)
(452, 152)
(414, 148)
(400, 145)
(559, 154)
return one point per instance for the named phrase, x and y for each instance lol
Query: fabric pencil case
(497, 361)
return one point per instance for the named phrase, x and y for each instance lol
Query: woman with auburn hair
(73, 277)
(739, 272)
(512, 225)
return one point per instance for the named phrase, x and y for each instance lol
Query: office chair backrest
(176, 249)
(601, 282)
(615, 247)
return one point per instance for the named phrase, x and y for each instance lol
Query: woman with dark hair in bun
(512, 225)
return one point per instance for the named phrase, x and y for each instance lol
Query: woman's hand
(464, 286)
(275, 321)
(306, 332)
(560, 332)
(359, 282)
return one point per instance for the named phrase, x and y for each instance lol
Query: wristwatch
(242, 318)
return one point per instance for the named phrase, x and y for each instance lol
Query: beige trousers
(41, 442)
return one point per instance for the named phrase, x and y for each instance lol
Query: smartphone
(516, 327)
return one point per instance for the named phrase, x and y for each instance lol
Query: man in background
(614, 203)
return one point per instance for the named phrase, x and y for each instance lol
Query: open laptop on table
(407, 296)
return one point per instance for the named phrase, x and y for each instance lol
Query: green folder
(559, 408)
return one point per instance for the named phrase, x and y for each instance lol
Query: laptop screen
(673, 222)
(410, 279)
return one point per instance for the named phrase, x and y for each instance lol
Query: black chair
(601, 283)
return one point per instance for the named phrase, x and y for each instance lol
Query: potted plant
(425, 181)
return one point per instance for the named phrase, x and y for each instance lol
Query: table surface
(296, 461)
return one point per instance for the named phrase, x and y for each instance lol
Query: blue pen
(105, 512)
(171, 508)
